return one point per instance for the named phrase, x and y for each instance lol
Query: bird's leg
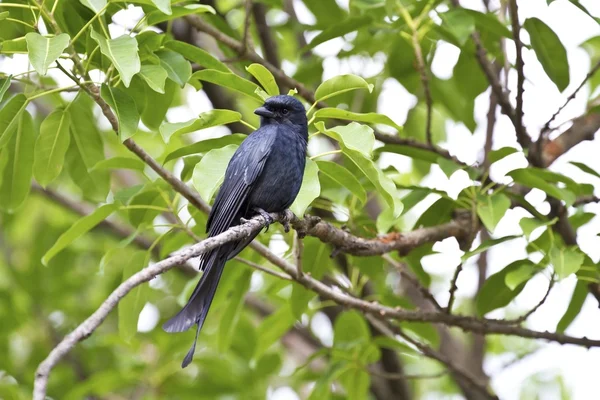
(266, 216)
(288, 216)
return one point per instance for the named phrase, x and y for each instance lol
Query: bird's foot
(288, 216)
(266, 216)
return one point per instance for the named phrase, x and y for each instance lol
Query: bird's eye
(285, 111)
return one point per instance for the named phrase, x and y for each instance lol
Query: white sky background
(579, 367)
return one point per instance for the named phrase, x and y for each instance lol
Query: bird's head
(282, 109)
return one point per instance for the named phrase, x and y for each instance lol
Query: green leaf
(4, 85)
(9, 117)
(178, 68)
(491, 208)
(348, 25)
(14, 46)
(350, 329)
(340, 84)
(51, 146)
(497, 155)
(130, 306)
(585, 168)
(83, 225)
(459, 23)
(155, 76)
(549, 50)
(495, 293)
(489, 23)
(486, 245)
(210, 171)
(124, 108)
(531, 177)
(44, 51)
(521, 275)
(206, 145)
(355, 135)
(322, 388)
(196, 55)
(15, 179)
(235, 305)
(310, 189)
(163, 5)
(86, 150)
(94, 5)
(575, 305)
(371, 118)
(155, 17)
(272, 328)
(230, 81)
(316, 261)
(344, 177)
(265, 78)
(528, 225)
(566, 261)
(205, 120)
(119, 163)
(122, 52)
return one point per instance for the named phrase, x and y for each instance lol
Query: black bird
(263, 176)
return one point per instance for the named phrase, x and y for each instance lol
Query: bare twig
(453, 287)
(247, 19)
(404, 273)
(425, 82)
(516, 31)
(269, 47)
(595, 69)
(524, 317)
(298, 250)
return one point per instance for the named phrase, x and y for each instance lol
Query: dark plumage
(264, 175)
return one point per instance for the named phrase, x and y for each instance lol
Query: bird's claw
(266, 216)
(288, 216)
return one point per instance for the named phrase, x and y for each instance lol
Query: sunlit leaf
(43, 51)
(210, 171)
(17, 157)
(566, 261)
(265, 78)
(310, 189)
(340, 84)
(178, 69)
(344, 177)
(491, 208)
(82, 226)
(197, 55)
(230, 81)
(124, 108)
(371, 118)
(205, 120)
(122, 52)
(51, 146)
(206, 145)
(155, 76)
(549, 51)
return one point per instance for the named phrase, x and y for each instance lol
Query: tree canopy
(118, 119)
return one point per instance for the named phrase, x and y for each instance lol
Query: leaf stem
(247, 124)
(87, 25)
(326, 153)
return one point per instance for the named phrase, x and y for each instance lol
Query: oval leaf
(206, 145)
(124, 108)
(197, 55)
(371, 118)
(344, 177)
(310, 189)
(122, 52)
(15, 180)
(205, 120)
(210, 171)
(83, 225)
(265, 78)
(230, 81)
(51, 146)
(549, 51)
(340, 84)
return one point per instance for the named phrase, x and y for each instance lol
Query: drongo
(263, 176)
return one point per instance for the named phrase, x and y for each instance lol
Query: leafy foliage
(80, 213)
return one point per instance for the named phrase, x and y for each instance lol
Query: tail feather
(196, 309)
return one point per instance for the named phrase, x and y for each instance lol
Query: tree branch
(269, 46)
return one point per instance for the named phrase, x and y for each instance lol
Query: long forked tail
(197, 307)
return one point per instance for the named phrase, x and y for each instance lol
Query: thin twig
(404, 273)
(263, 269)
(516, 31)
(298, 250)
(453, 287)
(246, 37)
(524, 317)
(595, 69)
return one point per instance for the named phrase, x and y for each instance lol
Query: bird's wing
(244, 168)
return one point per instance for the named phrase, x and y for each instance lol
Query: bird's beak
(264, 112)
